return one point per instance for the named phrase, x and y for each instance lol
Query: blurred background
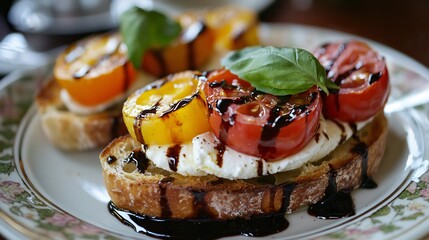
(33, 31)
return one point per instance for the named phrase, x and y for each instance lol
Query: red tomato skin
(349, 107)
(357, 100)
(242, 130)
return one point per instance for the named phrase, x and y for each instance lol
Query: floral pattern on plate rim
(17, 201)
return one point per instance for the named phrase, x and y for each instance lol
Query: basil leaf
(143, 29)
(278, 71)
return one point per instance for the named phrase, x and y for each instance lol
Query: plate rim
(16, 75)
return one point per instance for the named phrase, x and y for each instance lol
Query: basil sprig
(143, 29)
(278, 71)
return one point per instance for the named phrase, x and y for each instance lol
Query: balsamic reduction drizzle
(82, 72)
(173, 154)
(179, 104)
(200, 203)
(201, 228)
(343, 131)
(165, 206)
(140, 159)
(111, 159)
(366, 181)
(272, 127)
(190, 37)
(220, 147)
(316, 137)
(334, 204)
(375, 77)
(260, 167)
(138, 119)
(338, 53)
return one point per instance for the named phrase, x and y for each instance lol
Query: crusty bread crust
(70, 131)
(227, 199)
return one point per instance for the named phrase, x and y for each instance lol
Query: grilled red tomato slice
(362, 76)
(260, 124)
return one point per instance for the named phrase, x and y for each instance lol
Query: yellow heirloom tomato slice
(234, 27)
(172, 110)
(190, 50)
(95, 69)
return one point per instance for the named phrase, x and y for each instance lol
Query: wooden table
(400, 24)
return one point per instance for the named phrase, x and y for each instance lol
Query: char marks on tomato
(362, 76)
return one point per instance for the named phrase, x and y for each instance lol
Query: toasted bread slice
(148, 190)
(71, 131)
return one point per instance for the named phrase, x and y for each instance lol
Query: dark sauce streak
(362, 149)
(316, 137)
(163, 200)
(179, 104)
(260, 167)
(200, 203)
(111, 159)
(173, 154)
(334, 204)
(82, 72)
(343, 131)
(330, 74)
(375, 77)
(217, 181)
(326, 135)
(338, 80)
(287, 193)
(220, 147)
(353, 126)
(190, 37)
(224, 127)
(222, 84)
(201, 228)
(338, 53)
(138, 158)
(272, 127)
(138, 121)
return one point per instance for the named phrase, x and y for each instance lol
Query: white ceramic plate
(48, 193)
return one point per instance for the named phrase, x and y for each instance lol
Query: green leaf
(388, 228)
(7, 133)
(6, 168)
(7, 157)
(381, 212)
(422, 185)
(45, 213)
(375, 221)
(50, 227)
(408, 195)
(413, 216)
(278, 71)
(338, 235)
(4, 145)
(16, 210)
(142, 29)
